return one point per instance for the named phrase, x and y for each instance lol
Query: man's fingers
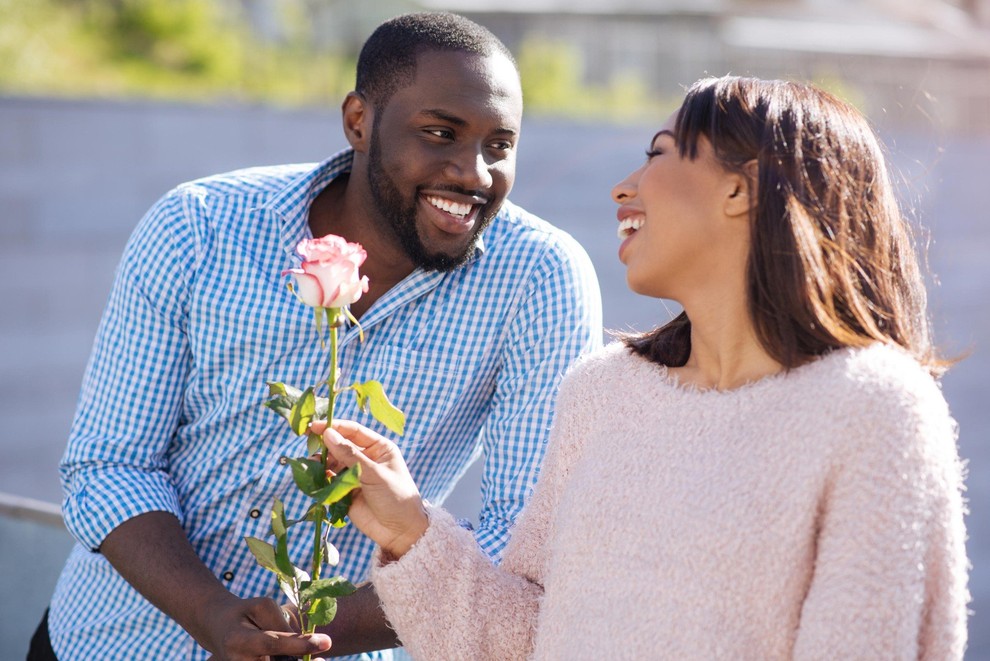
(267, 615)
(256, 644)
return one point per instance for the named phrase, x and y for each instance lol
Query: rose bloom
(328, 277)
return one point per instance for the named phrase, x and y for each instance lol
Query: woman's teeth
(453, 208)
(629, 225)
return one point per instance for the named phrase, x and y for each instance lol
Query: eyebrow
(663, 132)
(445, 116)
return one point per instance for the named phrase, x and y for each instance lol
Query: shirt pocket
(424, 385)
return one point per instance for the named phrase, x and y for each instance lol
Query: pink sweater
(816, 514)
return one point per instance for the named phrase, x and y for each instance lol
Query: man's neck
(344, 209)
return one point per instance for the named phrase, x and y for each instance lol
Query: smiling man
(475, 310)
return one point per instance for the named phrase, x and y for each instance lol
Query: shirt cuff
(108, 497)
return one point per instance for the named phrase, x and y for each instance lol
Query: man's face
(442, 155)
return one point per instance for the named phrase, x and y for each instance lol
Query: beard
(400, 216)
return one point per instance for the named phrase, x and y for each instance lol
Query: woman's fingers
(357, 433)
(343, 451)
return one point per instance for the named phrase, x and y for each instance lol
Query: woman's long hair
(832, 263)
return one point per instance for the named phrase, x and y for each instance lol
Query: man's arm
(152, 553)
(360, 625)
(558, 319)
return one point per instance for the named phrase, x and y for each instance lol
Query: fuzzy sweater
(815, 514)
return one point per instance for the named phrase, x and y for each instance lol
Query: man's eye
(501, 145)
(441, 133)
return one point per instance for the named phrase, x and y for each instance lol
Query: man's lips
(453, 215)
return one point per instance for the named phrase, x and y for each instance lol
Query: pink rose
(329, 276)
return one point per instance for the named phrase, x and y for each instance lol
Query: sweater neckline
(672, 382)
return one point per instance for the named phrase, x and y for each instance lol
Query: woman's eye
(650, 153)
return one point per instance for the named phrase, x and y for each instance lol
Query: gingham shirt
(199, 318)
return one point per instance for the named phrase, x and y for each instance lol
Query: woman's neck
(725, 352)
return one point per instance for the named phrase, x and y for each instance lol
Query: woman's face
(677, 236)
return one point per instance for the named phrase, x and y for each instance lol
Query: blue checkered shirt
(199, 318)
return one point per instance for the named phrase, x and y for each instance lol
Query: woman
(773, 474)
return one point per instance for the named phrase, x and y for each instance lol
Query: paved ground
(75, 177)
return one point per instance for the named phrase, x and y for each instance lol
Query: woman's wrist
(400, 545)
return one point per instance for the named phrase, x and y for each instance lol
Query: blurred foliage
(181, 49)
(552, 84)
(207, 50)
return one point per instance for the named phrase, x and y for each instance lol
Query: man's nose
(469, 169)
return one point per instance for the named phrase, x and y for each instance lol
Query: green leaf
(291, 585)
(338, 586)
(282, 561)
(373, 393)
(331, 555)
(314, 443)
(302, 412)
(309, 475)
(279, 524)
(283, 399)
(263, 552)
(341, 485)
(322, 612)
(337, 513)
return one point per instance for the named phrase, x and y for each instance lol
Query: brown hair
(832, 263)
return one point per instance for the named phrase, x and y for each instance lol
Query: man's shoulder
(247, 182)
(515, 229)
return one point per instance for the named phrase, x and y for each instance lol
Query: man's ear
(742, 189)
(358, 117)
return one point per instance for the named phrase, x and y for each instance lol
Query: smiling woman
(784, 480)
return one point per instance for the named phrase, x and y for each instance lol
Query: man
(475, 309)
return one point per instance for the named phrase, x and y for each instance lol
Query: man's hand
(388, 507)
(151, 551)
(256, 629)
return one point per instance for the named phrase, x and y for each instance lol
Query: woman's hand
(387, 508)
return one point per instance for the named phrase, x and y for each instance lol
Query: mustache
(451, 188)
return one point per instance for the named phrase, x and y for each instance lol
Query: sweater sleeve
(890, 573)
(445, 598)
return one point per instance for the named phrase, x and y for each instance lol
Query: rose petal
(308, 288)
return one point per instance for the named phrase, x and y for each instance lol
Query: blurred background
(106, 104)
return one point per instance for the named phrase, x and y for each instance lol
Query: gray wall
(75, 176)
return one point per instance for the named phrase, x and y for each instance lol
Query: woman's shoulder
(615, 359)
(880, 371)
(884, 386)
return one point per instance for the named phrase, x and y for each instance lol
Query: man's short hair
(388, 58)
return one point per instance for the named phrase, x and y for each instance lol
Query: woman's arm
(890, 572)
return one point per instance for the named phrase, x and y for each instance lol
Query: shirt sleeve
(890, 573)
(116, 464)
(559, 318)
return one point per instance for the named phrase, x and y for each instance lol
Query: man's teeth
(451, 207)
(630, 225)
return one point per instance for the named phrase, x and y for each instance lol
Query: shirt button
(255, 513)
(228, 576)
(283, 460)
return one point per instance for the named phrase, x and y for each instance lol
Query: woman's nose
(625, 190)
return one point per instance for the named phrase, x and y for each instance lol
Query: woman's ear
(357, 116)
(742, 189)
